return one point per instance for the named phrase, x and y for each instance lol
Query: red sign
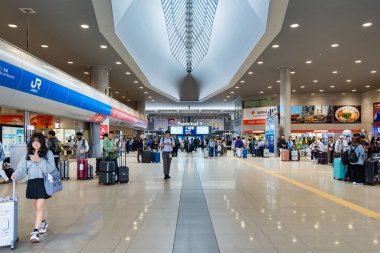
(124, 116)
(103, 130)
(254, 122)
(98, 118)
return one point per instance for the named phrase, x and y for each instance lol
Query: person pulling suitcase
(112, 151)
(167, 144)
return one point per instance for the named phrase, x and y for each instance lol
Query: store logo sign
(35, 85)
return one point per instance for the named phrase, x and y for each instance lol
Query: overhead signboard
(203, 130)
(257, 116)
(176, 130)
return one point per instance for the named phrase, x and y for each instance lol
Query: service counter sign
(257, 116)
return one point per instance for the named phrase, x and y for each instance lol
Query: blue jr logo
(35, 85)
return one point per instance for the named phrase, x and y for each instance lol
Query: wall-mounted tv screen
(203, 130)
(176, 130)
(190, 130)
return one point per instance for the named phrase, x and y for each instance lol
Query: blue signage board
(271, 134)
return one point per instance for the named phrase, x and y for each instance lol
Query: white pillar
(100, 79)
(285, 100)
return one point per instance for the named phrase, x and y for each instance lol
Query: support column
(285, 100)
(100, 78)
(26, 123)
(141, 107)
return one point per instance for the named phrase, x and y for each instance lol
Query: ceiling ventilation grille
(189, 25)
(27, 10)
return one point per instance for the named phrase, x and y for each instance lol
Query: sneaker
(35, 238)
(43, 227)
(354, 183)
(169, 177)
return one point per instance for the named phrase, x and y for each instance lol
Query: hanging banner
(257, 116)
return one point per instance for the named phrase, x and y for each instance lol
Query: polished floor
(225, 205)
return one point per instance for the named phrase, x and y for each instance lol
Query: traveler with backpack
(167, 144)
(55, 146)
(2, 158)
(81, 146)
(356, 156)
(38, 161)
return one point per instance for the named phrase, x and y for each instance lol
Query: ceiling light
(145, 92)
(153, 100)
(250, 73)
(278, 81)
(136, 81)
(269, 87)
(343, 93)
(237, 87)
(312, 94)
(123, 96)
(293, 90)
(294, 25)
(368, 86)
(116, 92)
(150, 97)
(320, 90)
(373, 72)
(12, 25)
(348, 81)
(44, 46)
(315, 81)
(292, 72)
(260, 62)
(118, 62)
(141, 87)
(334, 45)
(275, 46)
(129, 100)
(109, 87)
(227, 96)
(225, 100)
(308, 62)
(358, 61)
(261, 92)
(127, 73)
(86, 73)
(232, 92)
(103, 46)
(367, 24)
(332, 86)
(70, 62)
(85, 26)
(335, 72)
(354, 90)
(302, 87)
(242, 81)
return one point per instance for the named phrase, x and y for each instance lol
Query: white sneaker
(35, 238)
(43, 228)
(354, 183)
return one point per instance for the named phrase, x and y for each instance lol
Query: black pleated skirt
(35, 189)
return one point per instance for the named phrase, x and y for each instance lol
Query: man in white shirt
(167, 144)
(339, 146)
(81, 146)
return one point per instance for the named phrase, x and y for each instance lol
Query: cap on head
(79, 134)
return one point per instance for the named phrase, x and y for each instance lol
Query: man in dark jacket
(140, 148)
(281, 144)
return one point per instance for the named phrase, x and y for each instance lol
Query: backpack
(57, 147)
(352, 157)
(344, 157)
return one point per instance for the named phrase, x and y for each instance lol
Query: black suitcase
(146, 156)
(371, 167)
(123, 175)
(98, 160)
(64, 169)
(90, 172)
(107, 172)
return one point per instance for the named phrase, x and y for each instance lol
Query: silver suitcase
(9, 220)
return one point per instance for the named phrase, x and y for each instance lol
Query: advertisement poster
(257, 116)
(270, 133)
(38, 121)
(376, 112)
(321, 114)
(11, 135)
(347, 114)
(297, 114)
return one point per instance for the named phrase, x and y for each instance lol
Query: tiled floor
(250, 210)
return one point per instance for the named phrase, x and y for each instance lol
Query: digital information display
(203, 130)
(176, 130)
(190, 130)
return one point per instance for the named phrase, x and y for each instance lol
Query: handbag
(52, 182)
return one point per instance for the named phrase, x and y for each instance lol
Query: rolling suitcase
(323, 158)
(156, 157)
(9, 220)
(206, 153)
(123, 174)
(266, 153)
(90, 174)
(107, 172)
(146, 156)
(371, 167)
(295, 155)
(98, 160)
(82, 169)
(64, 169)
(340, 170)
(285, 155)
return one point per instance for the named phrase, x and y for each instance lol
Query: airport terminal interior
(190, 126)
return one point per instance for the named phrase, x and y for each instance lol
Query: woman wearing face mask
(34, 164)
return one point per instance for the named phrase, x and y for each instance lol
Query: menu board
(347, 114)
(203, 130)
(176, 130)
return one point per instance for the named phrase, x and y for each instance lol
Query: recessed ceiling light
(116, 92)
(315, 81)
(343, 93)
(12, 25)
(353, 90)
(150, 97)
(86, 73)
(367, 24)
(103, 46)
(309, 62)
(332, 86)
(302, 87)
(109, 87)
(278, 81)
(335, 72)
(312, 94)
(348, 81)
(44, 46)
(242, 81)
(292, 72)
(123, 96)
(378, 90)
(141, 87)
(70, 62)
(227, 96)
(84, 26)
(260, 62)
(250, 73)
(373, 72)
(129, 100)
(118, 62)
(261, 92)
(294, 25)
(293, 90)
(136, 81)
(275, 46)
(237, 87)
(145, 92)
(368, 86)
(334, 45)
(225, 100)
(358, 61)
(269, 87)
(153, 100)
(232, 92)
(127, 73)
(320, 90)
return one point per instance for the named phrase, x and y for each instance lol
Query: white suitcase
(9, 220)
(206, 153)
(266, 153)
